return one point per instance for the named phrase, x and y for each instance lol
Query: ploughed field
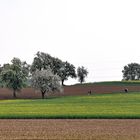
(74, 90)
(79, 129)
(29, 116)
(119, 105)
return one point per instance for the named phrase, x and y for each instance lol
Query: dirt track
(70, 129)
(69, 90)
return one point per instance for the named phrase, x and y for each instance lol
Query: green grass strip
(104, 106)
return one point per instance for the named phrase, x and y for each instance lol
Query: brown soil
(90, 129)
(69, 90)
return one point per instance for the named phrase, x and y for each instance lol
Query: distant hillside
(78, 90)
(113, 83)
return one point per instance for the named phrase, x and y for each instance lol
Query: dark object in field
(89, 92)
(125, 90)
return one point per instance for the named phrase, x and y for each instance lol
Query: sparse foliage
(81, 74)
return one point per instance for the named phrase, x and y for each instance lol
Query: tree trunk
(14, 94)
(43, 94)
(62, 82)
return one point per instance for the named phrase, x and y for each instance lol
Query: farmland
(119, 105)
(76, 90)
(107, 114)
(62, 129)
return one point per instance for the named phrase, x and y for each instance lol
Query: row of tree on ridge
(46, 74)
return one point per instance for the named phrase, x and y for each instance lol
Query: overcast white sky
(102, 35)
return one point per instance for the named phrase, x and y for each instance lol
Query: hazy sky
(102, 35)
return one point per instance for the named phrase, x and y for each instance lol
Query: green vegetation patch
(113, 83)
(124, 105)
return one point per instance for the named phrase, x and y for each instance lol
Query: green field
(114, 83)
(126, 105)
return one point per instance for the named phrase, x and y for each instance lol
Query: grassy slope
(95, 106)
(113, 83)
